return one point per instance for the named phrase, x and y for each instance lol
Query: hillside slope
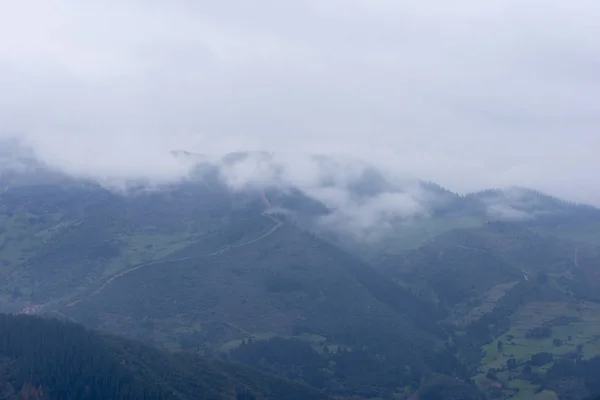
(519, 301)
(278, 281)
(57, 360)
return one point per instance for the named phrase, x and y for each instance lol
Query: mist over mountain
(344, 198)
(351, 199)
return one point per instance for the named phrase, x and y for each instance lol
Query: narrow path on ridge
(278, 224)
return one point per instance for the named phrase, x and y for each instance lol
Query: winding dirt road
(278, 224)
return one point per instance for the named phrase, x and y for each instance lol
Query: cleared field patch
(571, 323)
(23, 234)
(591, 348)
(545, 395)
(318, 342)
(484, 305)
(141, 248)
(574, 328)
(234, 344)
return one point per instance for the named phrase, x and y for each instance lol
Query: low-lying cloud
(467, 94)
(357, 201)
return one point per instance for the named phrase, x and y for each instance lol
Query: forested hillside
(49, 359)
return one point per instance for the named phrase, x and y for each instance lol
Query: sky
(469, 94)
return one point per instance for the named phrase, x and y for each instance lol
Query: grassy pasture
(576, 325)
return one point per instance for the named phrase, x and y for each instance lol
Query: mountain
(278, 281)
(49, 359)
(196, 265)
(354, 282)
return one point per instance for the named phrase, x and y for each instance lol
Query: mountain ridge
(328, 286)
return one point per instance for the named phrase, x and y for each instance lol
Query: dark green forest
(50, 359)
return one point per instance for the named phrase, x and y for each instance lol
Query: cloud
(364, 203)
(370, 220)
(467, 94)
(518, 203)
(504, 212)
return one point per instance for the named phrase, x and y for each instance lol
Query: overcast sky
(468, 93)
